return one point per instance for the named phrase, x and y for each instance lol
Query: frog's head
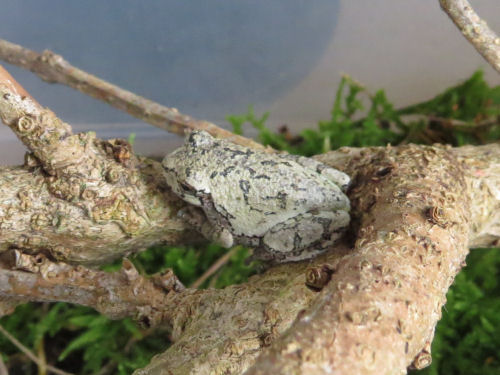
(185, 171)
(179, 178)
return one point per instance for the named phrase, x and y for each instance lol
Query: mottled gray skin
(288, 208)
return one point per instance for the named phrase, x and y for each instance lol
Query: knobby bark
(79, 198)
(117, 295)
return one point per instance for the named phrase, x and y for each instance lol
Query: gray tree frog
(288, 208)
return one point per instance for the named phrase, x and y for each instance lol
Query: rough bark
(415, 211)
(78, 198)
(117, 295)
(412, 205)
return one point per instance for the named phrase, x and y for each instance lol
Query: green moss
(189, 263)
(463, 114)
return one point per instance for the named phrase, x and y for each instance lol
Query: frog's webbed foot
(195, 217)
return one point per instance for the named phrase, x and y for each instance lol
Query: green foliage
(131, 138)
(80, 339)
(189, 263)
(467, 339)
(464, 114)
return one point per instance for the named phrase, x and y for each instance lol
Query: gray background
(211, 58)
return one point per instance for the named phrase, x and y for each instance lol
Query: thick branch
(382, 298)
(476, 30)
(389, 291)
(481, 167)
(79, 198)
(223, 331)
(226, 330)
(410, 203)
(54, 69)
(411, 238)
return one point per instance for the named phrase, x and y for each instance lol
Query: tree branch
(225, 330)
(476, 30)
(53, 68)
(366, 308)
(416, 209)
(77, 197)
(411, 204)
(117, 295)
(388, 292)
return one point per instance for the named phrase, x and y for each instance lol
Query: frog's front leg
(305, 235)
(196, 217)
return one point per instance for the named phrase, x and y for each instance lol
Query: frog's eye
(188, 193)
(186, 188)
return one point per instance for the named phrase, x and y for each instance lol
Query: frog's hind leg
(305, 235)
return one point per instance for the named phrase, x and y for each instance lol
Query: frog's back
(255, 190)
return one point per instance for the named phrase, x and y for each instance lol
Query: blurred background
(211, 59)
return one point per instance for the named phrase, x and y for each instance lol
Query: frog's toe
(224, 238)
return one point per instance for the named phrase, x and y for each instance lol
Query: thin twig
(29, 354)
(213, 280)
(42, 368)
(476, 30)
(464, 125)
(214, 268)
(53, 68)
(3, 368)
